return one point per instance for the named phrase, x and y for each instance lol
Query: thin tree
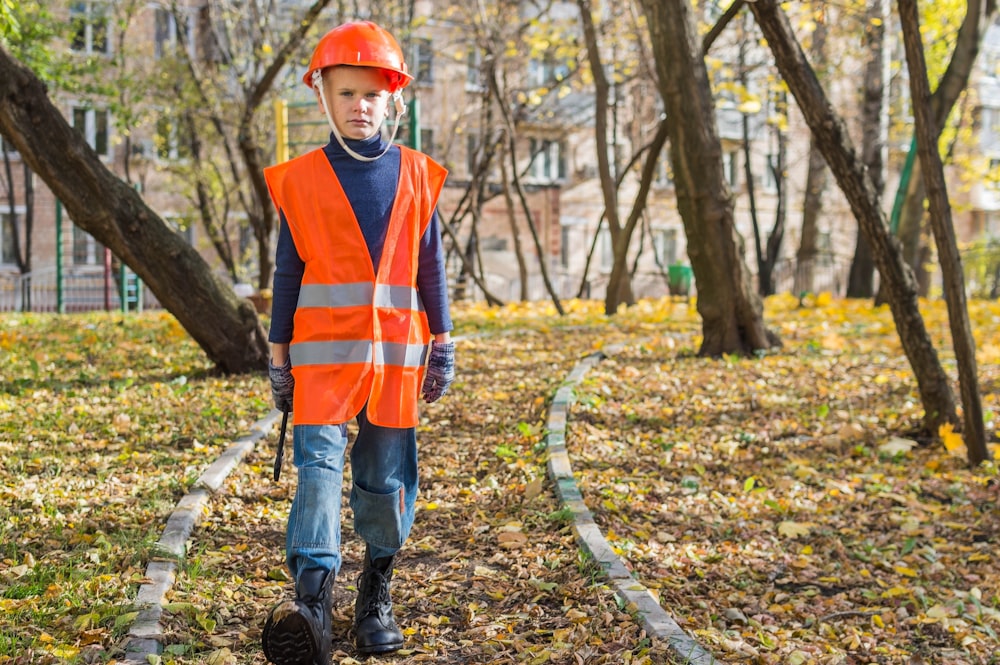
(861, 278)
(834, 140)
(908, 209)
(225, 326)
(816, 175)
(729, 306)
(944, 235)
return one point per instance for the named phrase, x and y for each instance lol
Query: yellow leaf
(906, 572)
(952, 440)
(895, 591)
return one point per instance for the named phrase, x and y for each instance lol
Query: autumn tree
(855, 181)
(225, 326)
(909, 208)
(214, 91)
(860, 280)
(944, 234)
(807, 253)
(505, 110)
(730, 309)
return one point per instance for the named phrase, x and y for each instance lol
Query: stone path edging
(145, 637)
(636, 597)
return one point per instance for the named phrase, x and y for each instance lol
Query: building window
(547, 160)
(170, 139)
(770, 182)
(565, 235)
(606, 250)
(546, 71)
(90, 28)
(473, 70)
(664, 176)
(423, 57)
(93, 124)
(8, 248)
(665, 246)
(168, 34)
(86, 250)
(730, 164)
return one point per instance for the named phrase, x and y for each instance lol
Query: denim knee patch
(380, 519)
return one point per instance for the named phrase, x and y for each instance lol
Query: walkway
(482, 501)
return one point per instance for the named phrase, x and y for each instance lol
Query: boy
(359, 296)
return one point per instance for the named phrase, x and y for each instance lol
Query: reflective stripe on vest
(360, 337)
(358, 294)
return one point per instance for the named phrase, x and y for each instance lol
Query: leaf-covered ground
(777, 505)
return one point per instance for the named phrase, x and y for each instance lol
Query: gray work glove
(282, 384)
(440, 371)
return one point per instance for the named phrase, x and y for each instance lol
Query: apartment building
(479, 93)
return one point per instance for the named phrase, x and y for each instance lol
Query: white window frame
(665, 246)
(167, 142)
(605, 250)
(730, 164)
(94, 18)
(770, 182)
(90, 130)
(167, 33)
(473, 70)
(545, 165)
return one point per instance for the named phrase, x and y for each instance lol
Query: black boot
(375, 629)
(297, 632)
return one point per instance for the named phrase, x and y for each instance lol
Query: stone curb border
(636, 597)
(146, 634)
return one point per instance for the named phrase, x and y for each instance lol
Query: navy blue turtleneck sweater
(370, 189)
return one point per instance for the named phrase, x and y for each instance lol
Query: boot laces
(376, 587)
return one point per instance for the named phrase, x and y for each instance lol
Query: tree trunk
(861, 281)
(777, 235)
(812, 201)
(897, 280)
(730, 309)
(619, 284)
(944, 234)
(950, 88)
(225, 326)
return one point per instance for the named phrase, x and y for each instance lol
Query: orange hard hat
(361, 44)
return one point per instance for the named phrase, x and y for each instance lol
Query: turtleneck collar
(369, 147)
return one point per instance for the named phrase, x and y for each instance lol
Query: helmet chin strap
(397, 98)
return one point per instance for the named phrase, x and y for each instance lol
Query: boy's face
(358, 99)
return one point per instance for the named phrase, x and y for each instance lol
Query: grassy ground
(757, 496)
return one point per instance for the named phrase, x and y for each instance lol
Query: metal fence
(79, 291)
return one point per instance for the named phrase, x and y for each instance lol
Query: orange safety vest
(360, 336)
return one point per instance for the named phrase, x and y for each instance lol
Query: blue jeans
(383, 495)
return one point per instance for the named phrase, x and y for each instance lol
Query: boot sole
(288, 641)
(379, 648)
